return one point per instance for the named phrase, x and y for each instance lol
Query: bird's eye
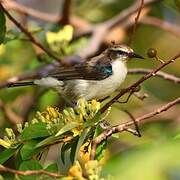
(116, 53)
(120, 52)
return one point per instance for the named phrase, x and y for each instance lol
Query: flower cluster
(83, 113)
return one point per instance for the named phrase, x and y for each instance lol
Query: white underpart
(88, 89)
(50, 82)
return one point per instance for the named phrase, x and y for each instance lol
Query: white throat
(119, 72)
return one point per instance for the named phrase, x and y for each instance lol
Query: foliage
(73, 128)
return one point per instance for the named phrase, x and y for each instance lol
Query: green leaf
(73, 149)
(80, 142)
(64, 149)
(35, 131)
(66, 128)
(102, 146)
(6, 154)
(30, 165)
(52, 168)
(29, 150)
(98, 131)
(18, 159)
(100, 150)
(2, 25)
(48, 141)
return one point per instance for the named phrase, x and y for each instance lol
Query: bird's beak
(134, 55)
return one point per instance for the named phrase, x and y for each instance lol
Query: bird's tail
(18, 84)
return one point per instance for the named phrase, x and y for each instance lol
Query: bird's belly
(101, 89)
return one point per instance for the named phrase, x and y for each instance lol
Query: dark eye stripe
(122, 52)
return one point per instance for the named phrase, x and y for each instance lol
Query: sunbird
(96, 78)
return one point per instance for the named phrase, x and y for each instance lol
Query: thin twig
(136, 21)
(4, 169)
(123, 15)
(135, 123)
(166, 76)
(29, 35)
(145, 77)
(122, 127)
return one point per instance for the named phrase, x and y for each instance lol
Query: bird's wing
(95, 69)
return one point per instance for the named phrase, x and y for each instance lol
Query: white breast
(103, 88)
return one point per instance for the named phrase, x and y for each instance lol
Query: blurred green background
(156, 154)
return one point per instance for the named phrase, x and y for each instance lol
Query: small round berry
(152, 52)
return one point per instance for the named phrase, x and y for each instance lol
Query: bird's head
(122, 53)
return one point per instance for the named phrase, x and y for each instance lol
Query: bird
(96, 78)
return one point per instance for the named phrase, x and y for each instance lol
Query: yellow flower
(76, 132)
(4, 143)
(50, 115)
(95, 106)
(93, 169)
(62, 35)
(53, 113)
(84, 152)
(76, 171)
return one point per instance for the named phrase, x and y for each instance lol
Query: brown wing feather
(90, 70)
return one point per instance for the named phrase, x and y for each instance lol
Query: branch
(29, 35)
(4, 169)
(75, 21)
(166, 76)
(147, 76)
(122, 127)
(170, 27)
(171, 115)
(66, 12)
(136, 21)
(13, 5)
(123, 16)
